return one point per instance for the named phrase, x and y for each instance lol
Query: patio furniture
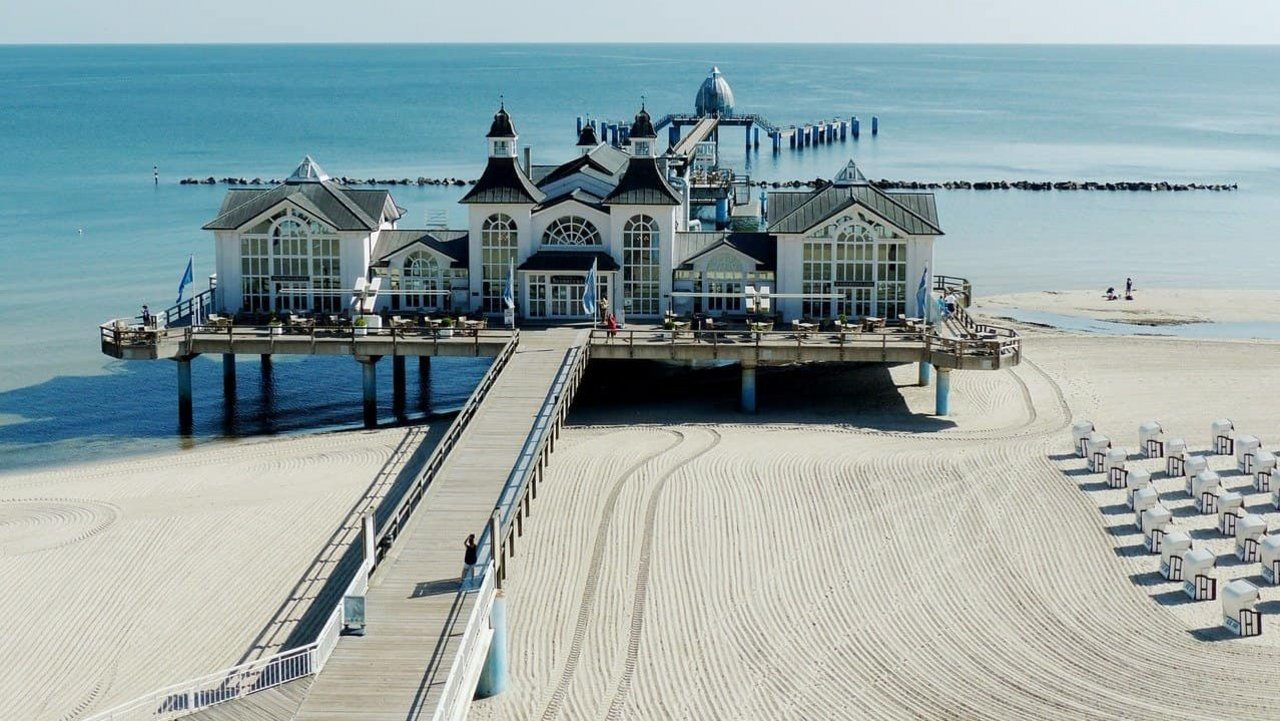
(871, 324)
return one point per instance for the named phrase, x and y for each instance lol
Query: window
(290, 262)
(500, 148)
(641, 148)
(421, 281)
(641, 265)
(498, 247)
(722, 282)
(571, 230)
(255, 275)
(326, 282)
(862, 269)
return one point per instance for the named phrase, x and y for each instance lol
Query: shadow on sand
(861, 395)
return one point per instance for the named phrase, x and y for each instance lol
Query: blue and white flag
(589, 296)
(509, 289)
(922, 295)
(187, 277)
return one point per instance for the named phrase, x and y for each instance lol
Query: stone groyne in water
(1032, 185)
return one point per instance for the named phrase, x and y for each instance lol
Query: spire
(308, 171)
(588, 136)
(643, 125)
(850, 175)
(502, 126)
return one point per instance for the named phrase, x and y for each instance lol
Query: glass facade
(498, 248)
(290, 262)
(860, 270)
(641, 266)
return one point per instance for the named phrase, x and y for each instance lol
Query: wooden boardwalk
(395, 672)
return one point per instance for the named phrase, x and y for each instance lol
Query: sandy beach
(1155, 307)
(131, 575)
(791, 567)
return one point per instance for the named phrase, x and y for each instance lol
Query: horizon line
(302, 43)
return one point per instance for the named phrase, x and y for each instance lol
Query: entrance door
(566, 300)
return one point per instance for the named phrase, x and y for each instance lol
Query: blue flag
(509, 289)
(589, 296)
(187, 277)
(922, 294)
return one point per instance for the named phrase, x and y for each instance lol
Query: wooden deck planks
(395, 671)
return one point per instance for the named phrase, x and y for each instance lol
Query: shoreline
(1150, 308)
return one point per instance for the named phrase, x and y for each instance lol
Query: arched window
(498, 248)
(421, 281)
(571, 230)
(641, 266)
(722, 281)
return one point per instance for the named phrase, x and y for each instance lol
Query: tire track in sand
(642, 578)
(587, 606)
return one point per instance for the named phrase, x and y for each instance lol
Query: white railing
(188, 697)
(460, 684)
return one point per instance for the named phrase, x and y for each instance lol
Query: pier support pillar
(369, 366)
(926, 372)
(397, 384)
(943, 392)
(722, 213)
(875, 126)
(424, 381)
(856, 127)
(184, 393)
(266, 364)
(748, 388)
(493, 677)
(229, 375)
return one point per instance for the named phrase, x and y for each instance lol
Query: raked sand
(774, 567)
(124, 577)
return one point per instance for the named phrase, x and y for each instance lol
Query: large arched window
(641, 265)
(498, 248)
(571, 230)
(855, 267)
(722, 281)
(421, 281)
(290, 262)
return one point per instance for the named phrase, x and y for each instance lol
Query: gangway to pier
(700, 132)
(417, 621)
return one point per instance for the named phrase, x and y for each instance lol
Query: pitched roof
(503, 181)
(577, 194)
(502, 126)
(782, 202)
(642, 184)
(308, 171)
(825, 202)
(922, 204)
(334, 204)
(570, 260)
(576, 165)
(452, 244)
(760, 247)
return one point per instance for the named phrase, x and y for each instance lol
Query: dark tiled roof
(761, 247)
(588, 135)
(588, 199)
(642, 184)
(450, 243)
(573, 260)
(825, 202)
(643, 125)
(576, 165)
(782, 202)
(922, 204)
(501, 126)
(503, 181)
(340, 207)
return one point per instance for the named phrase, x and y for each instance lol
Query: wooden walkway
(275, 704)
(395, 672)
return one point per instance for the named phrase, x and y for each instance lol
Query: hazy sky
(842, 21)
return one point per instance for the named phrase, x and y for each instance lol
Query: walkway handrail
(395, 520)
(188, 697)
(953, 284)
(533, 457)
(455, 698)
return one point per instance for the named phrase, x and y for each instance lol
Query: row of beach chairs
(1180, 559)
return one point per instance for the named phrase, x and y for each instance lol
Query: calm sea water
(81, 127)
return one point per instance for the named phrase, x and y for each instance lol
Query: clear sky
(833, 21)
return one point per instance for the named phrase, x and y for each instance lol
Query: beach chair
(1249, 532)
(1172, 546)
(1239, 608)
(1199, 575)
(1155, 523)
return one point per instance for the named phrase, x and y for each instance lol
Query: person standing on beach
(469, 559)
(1128, 288)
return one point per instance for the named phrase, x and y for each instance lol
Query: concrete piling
(369, 371)
(942, 392)
(748, 399)
(184, 394)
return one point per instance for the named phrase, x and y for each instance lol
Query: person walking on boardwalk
(469, 559)
(611, 322)
(146, 317)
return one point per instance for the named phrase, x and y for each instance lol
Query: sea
(86, 235)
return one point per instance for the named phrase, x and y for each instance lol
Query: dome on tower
(643, 125)
(502, 127)
(715, 97)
